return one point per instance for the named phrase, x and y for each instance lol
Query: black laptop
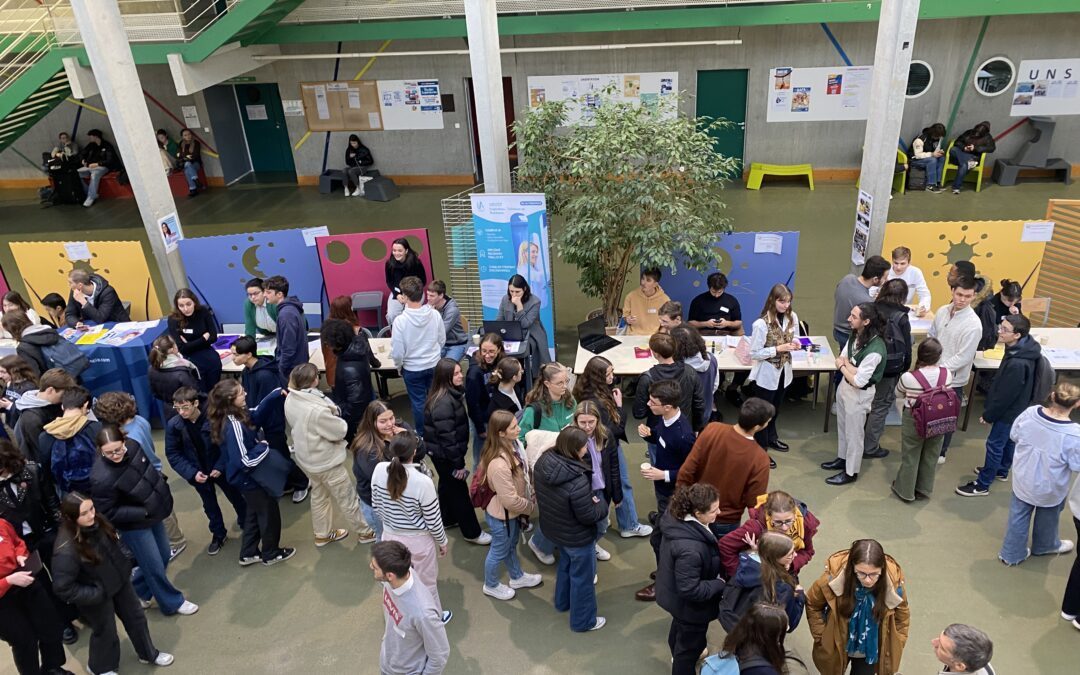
(594, 338)
(510, 331)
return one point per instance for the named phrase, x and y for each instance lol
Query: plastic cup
(1044, 340)
(476, 339)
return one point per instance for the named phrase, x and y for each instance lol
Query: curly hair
(115, 407)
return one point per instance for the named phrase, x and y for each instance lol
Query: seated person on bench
(357, 159)
(62, 163)
(968, 148)
(99, 157)
(927, 154)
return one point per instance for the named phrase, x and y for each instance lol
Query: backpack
(735, 603)
(897, 346)
(728, 664)
(67, 356)
(76, 456)
(936, 409)
(916, 179)
(1045, 377)
(538, 414)
(480, 493)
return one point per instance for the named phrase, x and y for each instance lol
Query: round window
(994, 76)
(919, 78)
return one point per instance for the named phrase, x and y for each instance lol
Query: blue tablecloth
(124, 368)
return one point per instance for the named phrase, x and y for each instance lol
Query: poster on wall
(819, 94)
(1047, 87)
(864, 210)
(171, 233)
(512, 238)
(410, 104)
(637, 88)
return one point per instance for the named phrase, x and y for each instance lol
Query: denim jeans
(372, 518)
(208, 494)
(455, 352)
(503, 549)
(150, 546)
(574, 588)
(626, 511)
(602, 524)
(999, 454)
(95, 178)
(933, 167)
(191, 172)
(477, 445)
(961, 159)
(417, 383)
(1044, 535)
(541, 542)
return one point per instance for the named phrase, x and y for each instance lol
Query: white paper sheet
(1038, 230)
(77, 250)
(311, 232)
(768, 243)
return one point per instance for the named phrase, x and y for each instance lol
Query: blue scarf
(863, 627)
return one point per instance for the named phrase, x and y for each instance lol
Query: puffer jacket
(446, 428)
(568, 511)
(478, 393)
(688, 583)
(80, 583)
(352, 380)
(34, 338)
(165, 382)
(131, 493)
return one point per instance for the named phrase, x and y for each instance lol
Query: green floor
(321, 613)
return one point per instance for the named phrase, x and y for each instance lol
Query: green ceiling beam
(661, 19)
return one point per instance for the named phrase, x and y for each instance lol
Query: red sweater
(11, 546)
(735, 465)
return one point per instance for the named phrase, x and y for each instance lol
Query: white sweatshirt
(959, 335)
(417, 338)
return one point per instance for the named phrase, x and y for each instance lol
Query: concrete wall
(426, 155)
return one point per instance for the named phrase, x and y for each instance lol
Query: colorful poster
(800, 99)
(834, 85)
(864, 211)
(818, 94)
(410, 104)
(1047, 87)
(171, 233)
(512, 238)
(584, 91)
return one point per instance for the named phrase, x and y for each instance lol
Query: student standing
(319, 444)
(776, 512)
(230, 429)
(14, 302)
(861, 364)
(194, 329)
(260, 316)
(16, 378)
(519, 304)
(569, 513)
(291, 348)
(447, 434)
(38, 407)
(688, 573)
(169, 372)
(958, 329)
(1070, 604)
(131, 493)
(667, 368)
(772, 340)
(505, 471)
(92, 572)
(415, 637)
(405, 500)
(604, 462)
(858, 612)
(370, 446)
(964, 649)
(447, 307)
(32, 340)
(68, 444)
(1011, 391)
(352, 371)
(506, 379)
(478, 389)
(854, 290)
(991, 311)
(189, 160)
(918, 455)
(690, 349)
(764, 575)
(641, 308)
(757, 643)
(896, 332)
(416, 342)
(1047, 455)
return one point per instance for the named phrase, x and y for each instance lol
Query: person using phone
(717, 312)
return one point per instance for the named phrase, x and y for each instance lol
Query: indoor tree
(637, 185)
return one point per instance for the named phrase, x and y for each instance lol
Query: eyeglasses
(1004, 330)
(183, 407)
(114, 453)
(872, 576)
(784, 523)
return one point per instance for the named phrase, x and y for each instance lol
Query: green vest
(874, 346)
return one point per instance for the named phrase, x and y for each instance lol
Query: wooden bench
(759, 171)
(110, 187)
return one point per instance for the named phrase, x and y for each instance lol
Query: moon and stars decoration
(219, 267)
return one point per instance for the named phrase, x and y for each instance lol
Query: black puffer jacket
(131, 493)
(80, 583)
(446, 428)
(30, 502)
(165, 382)
(692, 403)
(568, 511)
(687, 576)
(352, 380)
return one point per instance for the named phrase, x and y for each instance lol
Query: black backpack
(916, 177)
(897, 346)
(1044, 379)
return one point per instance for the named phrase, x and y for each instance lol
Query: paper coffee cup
(1044, 339)
(476, 339)
(645, 466)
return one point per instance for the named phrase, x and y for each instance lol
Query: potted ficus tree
(636, 185)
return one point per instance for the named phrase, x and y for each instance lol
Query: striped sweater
(416, 511)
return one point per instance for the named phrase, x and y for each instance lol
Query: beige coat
(318, 434)
(512, 493)
(830, 630)
(646, 310)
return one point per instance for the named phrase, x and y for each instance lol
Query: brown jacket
(646, 310)
(511, 491)
(735, 465)
(830, 630)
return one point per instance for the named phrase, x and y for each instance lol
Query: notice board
(1047, 87)
(819, 94)
(341, 106)
(584, 91)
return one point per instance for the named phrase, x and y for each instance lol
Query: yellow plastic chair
(899, 180)
(975, 175)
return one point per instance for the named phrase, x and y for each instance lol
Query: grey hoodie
(33, 339)
(417, 339)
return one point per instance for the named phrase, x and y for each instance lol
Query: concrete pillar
(103, 35)
(892, 58)
(481, 21)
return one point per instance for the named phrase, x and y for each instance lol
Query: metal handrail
(19, 56)
(62, 8)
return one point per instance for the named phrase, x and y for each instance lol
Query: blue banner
(512, 238)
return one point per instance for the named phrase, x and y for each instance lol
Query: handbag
(742, 351)
(272, 472)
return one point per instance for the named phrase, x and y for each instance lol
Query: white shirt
(916, 282)
(865, 370)
(765, 374)
(959, 335)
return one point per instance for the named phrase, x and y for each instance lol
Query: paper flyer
(864, 210)
(171, 233)
(800, 99)
(91, 336)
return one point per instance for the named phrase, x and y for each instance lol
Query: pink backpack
(937, 408)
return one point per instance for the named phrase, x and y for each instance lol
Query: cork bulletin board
(341, 106)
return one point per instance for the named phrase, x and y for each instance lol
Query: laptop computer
(594, 338)
(510, 331)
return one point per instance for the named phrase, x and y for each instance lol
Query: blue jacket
(184, 457)
(748, 579)
(673, 445)
(478, 394)
(242, 451)
(259, 381)
(292, 345)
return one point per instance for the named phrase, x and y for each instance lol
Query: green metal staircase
(31, 96)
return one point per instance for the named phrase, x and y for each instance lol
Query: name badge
(650, 311)
(725, 310)
(188, 330)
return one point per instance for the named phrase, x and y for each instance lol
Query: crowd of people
(82, 491)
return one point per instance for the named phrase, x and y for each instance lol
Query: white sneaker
(89, 202)
(601, 554)
(163, 659)
(600, 621)
(595, 579)
(483, 540)
(545, 558)
(500, 592)
(1068, 617)
(188, 608)
(525, 581)
(941, 460)
(299, 496)
(1067, 546)
(145, 604)
(641, 530)
(446, 616)
(972, 164)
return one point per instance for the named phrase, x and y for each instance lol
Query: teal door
(264, 127)
(722, 93)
